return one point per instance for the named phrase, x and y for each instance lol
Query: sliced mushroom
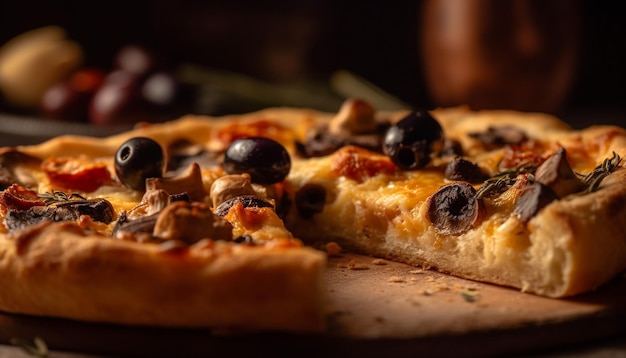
(66, 210)
(14, 167)
(454, 208)
(142, 218)
(534, 196)
(139, 229)
(189, 182)
(152, 202)
(190, 223)
(19, 219)
(354, 117)
(230, 186)
(556, 173)
(461, 169)
(354, 124)
(98, 209)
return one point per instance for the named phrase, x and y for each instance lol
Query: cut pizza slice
(515, 199)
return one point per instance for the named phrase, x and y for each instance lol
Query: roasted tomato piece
(260, 128)
(360, 164)
(77, 173)
(17, 197)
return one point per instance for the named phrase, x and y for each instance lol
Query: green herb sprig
(593, 179)
(500, 182)
(56, 196)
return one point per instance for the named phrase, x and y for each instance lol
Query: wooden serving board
(374, 307)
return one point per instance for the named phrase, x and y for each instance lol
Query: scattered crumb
(442, 287)
(428, 292)
(460, 287)
(332, 248)
(430, 279)
(379, 262)
(396, 279)
(417, 272)
(353, 265)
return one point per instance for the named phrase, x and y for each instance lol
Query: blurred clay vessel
(493, 54)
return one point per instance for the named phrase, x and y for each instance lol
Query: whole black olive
(266, 160)
(138, 159)
(410, 142)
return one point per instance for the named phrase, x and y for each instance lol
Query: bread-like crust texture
(57, 270)
(573, 245)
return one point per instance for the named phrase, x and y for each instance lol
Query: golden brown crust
(57, 270)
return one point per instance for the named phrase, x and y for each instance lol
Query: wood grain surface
(374, 307)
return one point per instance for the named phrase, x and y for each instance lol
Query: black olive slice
(454, 208)
(534, 196)
(463, 170)
(310, 200)
(12, 161)
(246, 200)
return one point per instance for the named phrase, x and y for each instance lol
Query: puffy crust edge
(586, 238)
(56, 270)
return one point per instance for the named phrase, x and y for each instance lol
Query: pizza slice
(78, 242)
(516, 199)
(216, 222)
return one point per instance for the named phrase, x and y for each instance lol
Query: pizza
(228, 222)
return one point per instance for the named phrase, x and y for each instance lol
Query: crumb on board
(332, 248)
(353, 265)
(379, 262)
(396, 279)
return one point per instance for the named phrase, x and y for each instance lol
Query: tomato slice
(77, 173)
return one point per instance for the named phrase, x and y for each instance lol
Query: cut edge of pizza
(523, 201)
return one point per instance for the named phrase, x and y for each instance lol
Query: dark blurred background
(287, 42)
